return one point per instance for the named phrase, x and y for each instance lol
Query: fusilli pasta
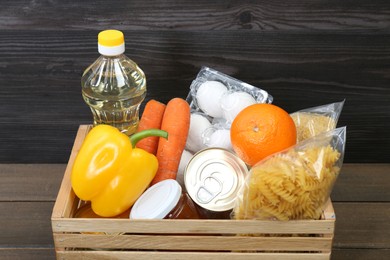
(311, 124)
(290, 185)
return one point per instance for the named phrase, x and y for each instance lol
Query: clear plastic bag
(316, 120)
(295, 183)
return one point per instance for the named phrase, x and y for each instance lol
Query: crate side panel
(65, 198)
(188, 242)
(203, 226)
(140, 255)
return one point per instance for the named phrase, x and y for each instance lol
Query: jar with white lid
(164, 200)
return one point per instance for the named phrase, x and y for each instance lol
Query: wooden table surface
(305, 53)
(361, 199)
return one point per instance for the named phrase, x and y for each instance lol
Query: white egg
(208, 97)
(198, 124)
(233, 103)
(214, 137)
(185, 158)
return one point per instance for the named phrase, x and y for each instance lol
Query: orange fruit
(260, 130)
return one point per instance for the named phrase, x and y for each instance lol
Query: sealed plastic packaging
(316, 120)
(211, 87)
(215, 100)
(293, 184)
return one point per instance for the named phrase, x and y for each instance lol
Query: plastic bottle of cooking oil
(114, 86)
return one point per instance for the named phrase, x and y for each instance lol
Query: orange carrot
(176, 122)
(151, 118)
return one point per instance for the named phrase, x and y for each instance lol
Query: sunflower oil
(114, 86)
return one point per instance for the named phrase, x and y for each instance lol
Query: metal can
(213, 178)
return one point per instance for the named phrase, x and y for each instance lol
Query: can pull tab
(209, 190)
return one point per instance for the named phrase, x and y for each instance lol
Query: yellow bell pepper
(110, 172)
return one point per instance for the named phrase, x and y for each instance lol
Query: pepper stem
(147, 133)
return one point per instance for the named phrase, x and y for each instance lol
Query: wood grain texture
(358, 225)
(361, 254)
(375, 214)
(30, 182)
(197, 15)
(203, 226)
(27, 253)
(25, 224)
(193, 243)
(362, 225)
(146, 255)
(305, 53)
(362, 183)
(43, 254)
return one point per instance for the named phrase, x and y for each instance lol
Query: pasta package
(316, 120)
(293, 184)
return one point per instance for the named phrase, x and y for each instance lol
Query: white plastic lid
(111, 51)
(157, 201)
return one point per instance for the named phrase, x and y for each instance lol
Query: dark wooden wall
(305, 53)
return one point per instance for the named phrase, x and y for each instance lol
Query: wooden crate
(183, 239)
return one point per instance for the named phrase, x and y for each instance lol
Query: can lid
(157, 201)
(213, 178)
(111, 42)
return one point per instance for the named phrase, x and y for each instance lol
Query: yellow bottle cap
(111, 42)
(111, 38)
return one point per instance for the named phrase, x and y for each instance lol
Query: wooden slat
(89, 255)
(27, 253)
(25, 224)
(30, 182)
(363, 182)
(360, 254)
(65, 199)
(305, 53)
(362, 225)
(206, 243)
(192, 226)
(358, 225)
(43, 254)
(196, 15)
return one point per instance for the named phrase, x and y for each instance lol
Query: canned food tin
(213, 178)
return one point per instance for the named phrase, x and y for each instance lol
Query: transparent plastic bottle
(114, 86)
